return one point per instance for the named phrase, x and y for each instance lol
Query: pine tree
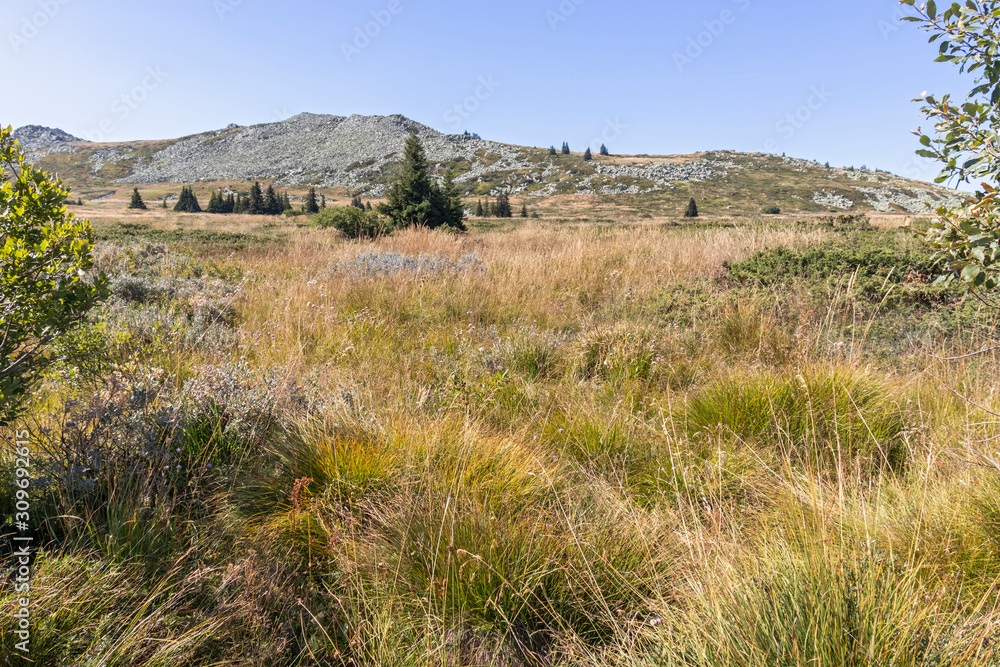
(255, 206)
(187, 202)
(692, 209)
(164, 202)
(479, 207)
(524, 209)
(552, 150)
(310, 206)
(452, 208)
(240, 205)
(502, 207)
(368, 206)
(587, 155)
(272, 203)
(356, 202)
(604, 150)
(286, 203)
(565, 148)
(322, 201)
(137, 202)
(408, 201)
(215, 202)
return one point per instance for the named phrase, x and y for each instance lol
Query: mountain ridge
(359, 154)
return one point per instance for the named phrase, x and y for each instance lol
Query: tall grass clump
(825, 416)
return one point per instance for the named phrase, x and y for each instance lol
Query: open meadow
(565, 440)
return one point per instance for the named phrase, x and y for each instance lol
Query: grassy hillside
(724, 182)
(569, 440)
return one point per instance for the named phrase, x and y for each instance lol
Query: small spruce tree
(604, 150)
(524, 209)
(692, 209)
(187, 202)
(587, 155)
(256, 206)
(479, 207)
(552, 150)
(137, 202)
(214, 203)
(310, 206)
(565, 148)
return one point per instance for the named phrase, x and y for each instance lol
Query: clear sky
(830, 81)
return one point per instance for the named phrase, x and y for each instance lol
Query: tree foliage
(692, 209)
(354, 222)
(187, 203)
(311, 206)
(45, 253)
(137, 203)
(415, 199)
(965, 139)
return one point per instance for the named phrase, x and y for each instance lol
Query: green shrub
(353, 222)
(873, 261)
(771, 210)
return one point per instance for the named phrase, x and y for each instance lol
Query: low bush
(354, 223)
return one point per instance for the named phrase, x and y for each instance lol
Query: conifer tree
(408, 201)
(524, 209)
(692, 209)
(322, 201)
(368, 206)
(552, 150)
(215, 202)
(451, 208)
(164, 202)
(187, 202)
(502, 208)
(272, 202)
(310, 206)
(604, 150)
(587, 155)
(255, 206)
(565, 148)
(137, 202)
(286, 203)
(479, 207)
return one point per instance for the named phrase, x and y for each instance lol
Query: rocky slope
(35, 138)
(359, 153)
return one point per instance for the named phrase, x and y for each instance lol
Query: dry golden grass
(543, 462)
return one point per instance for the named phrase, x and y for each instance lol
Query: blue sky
(825, 81)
